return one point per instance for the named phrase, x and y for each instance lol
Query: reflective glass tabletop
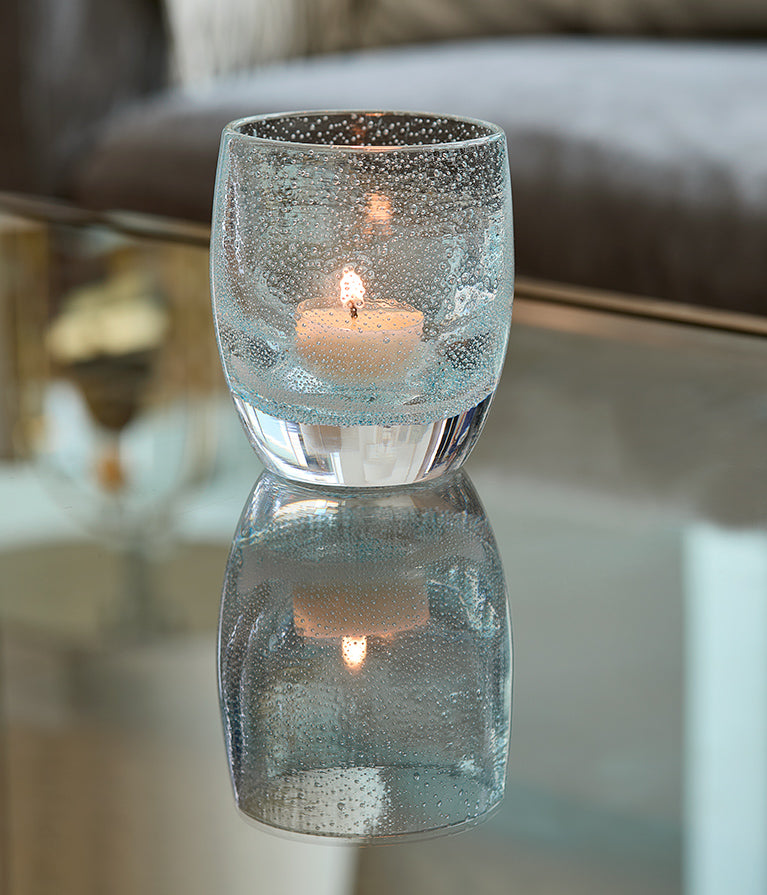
(622, 471)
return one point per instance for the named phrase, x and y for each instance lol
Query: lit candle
(352, 611)
(353, 341)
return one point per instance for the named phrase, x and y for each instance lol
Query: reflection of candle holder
(362, 274)
(364, 660)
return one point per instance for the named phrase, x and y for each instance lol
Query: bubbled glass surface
(365, 660)
(362, 273)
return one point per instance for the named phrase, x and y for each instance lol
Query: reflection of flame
(378, 209)
(353, 651)
(352, 290)
(378, 212)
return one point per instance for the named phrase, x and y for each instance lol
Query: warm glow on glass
(352, 290)
(378, 209)
(353, 651)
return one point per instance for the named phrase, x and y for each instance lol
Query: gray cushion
(636, 165)
(64, 64)
(386, 22)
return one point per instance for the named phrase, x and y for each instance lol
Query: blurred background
(635, 126)
(623, 467)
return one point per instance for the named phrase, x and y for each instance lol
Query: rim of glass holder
(492, 133)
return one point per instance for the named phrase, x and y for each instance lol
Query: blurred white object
(214, 39)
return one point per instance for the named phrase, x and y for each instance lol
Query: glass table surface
(622, 469)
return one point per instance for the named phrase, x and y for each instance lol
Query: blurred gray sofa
(639, 162)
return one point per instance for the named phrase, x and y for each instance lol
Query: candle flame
(352, 290)
(353, 651)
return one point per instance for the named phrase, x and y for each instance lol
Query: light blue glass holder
(362, 277)
(365, 660)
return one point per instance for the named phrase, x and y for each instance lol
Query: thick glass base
(363, 804)
(362, 456)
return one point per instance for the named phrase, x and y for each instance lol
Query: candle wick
(353, 312)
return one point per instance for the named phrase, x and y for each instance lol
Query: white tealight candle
(355, 610)
(356, 342)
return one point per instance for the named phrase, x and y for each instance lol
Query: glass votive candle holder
(362, 278)
(365, 660)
